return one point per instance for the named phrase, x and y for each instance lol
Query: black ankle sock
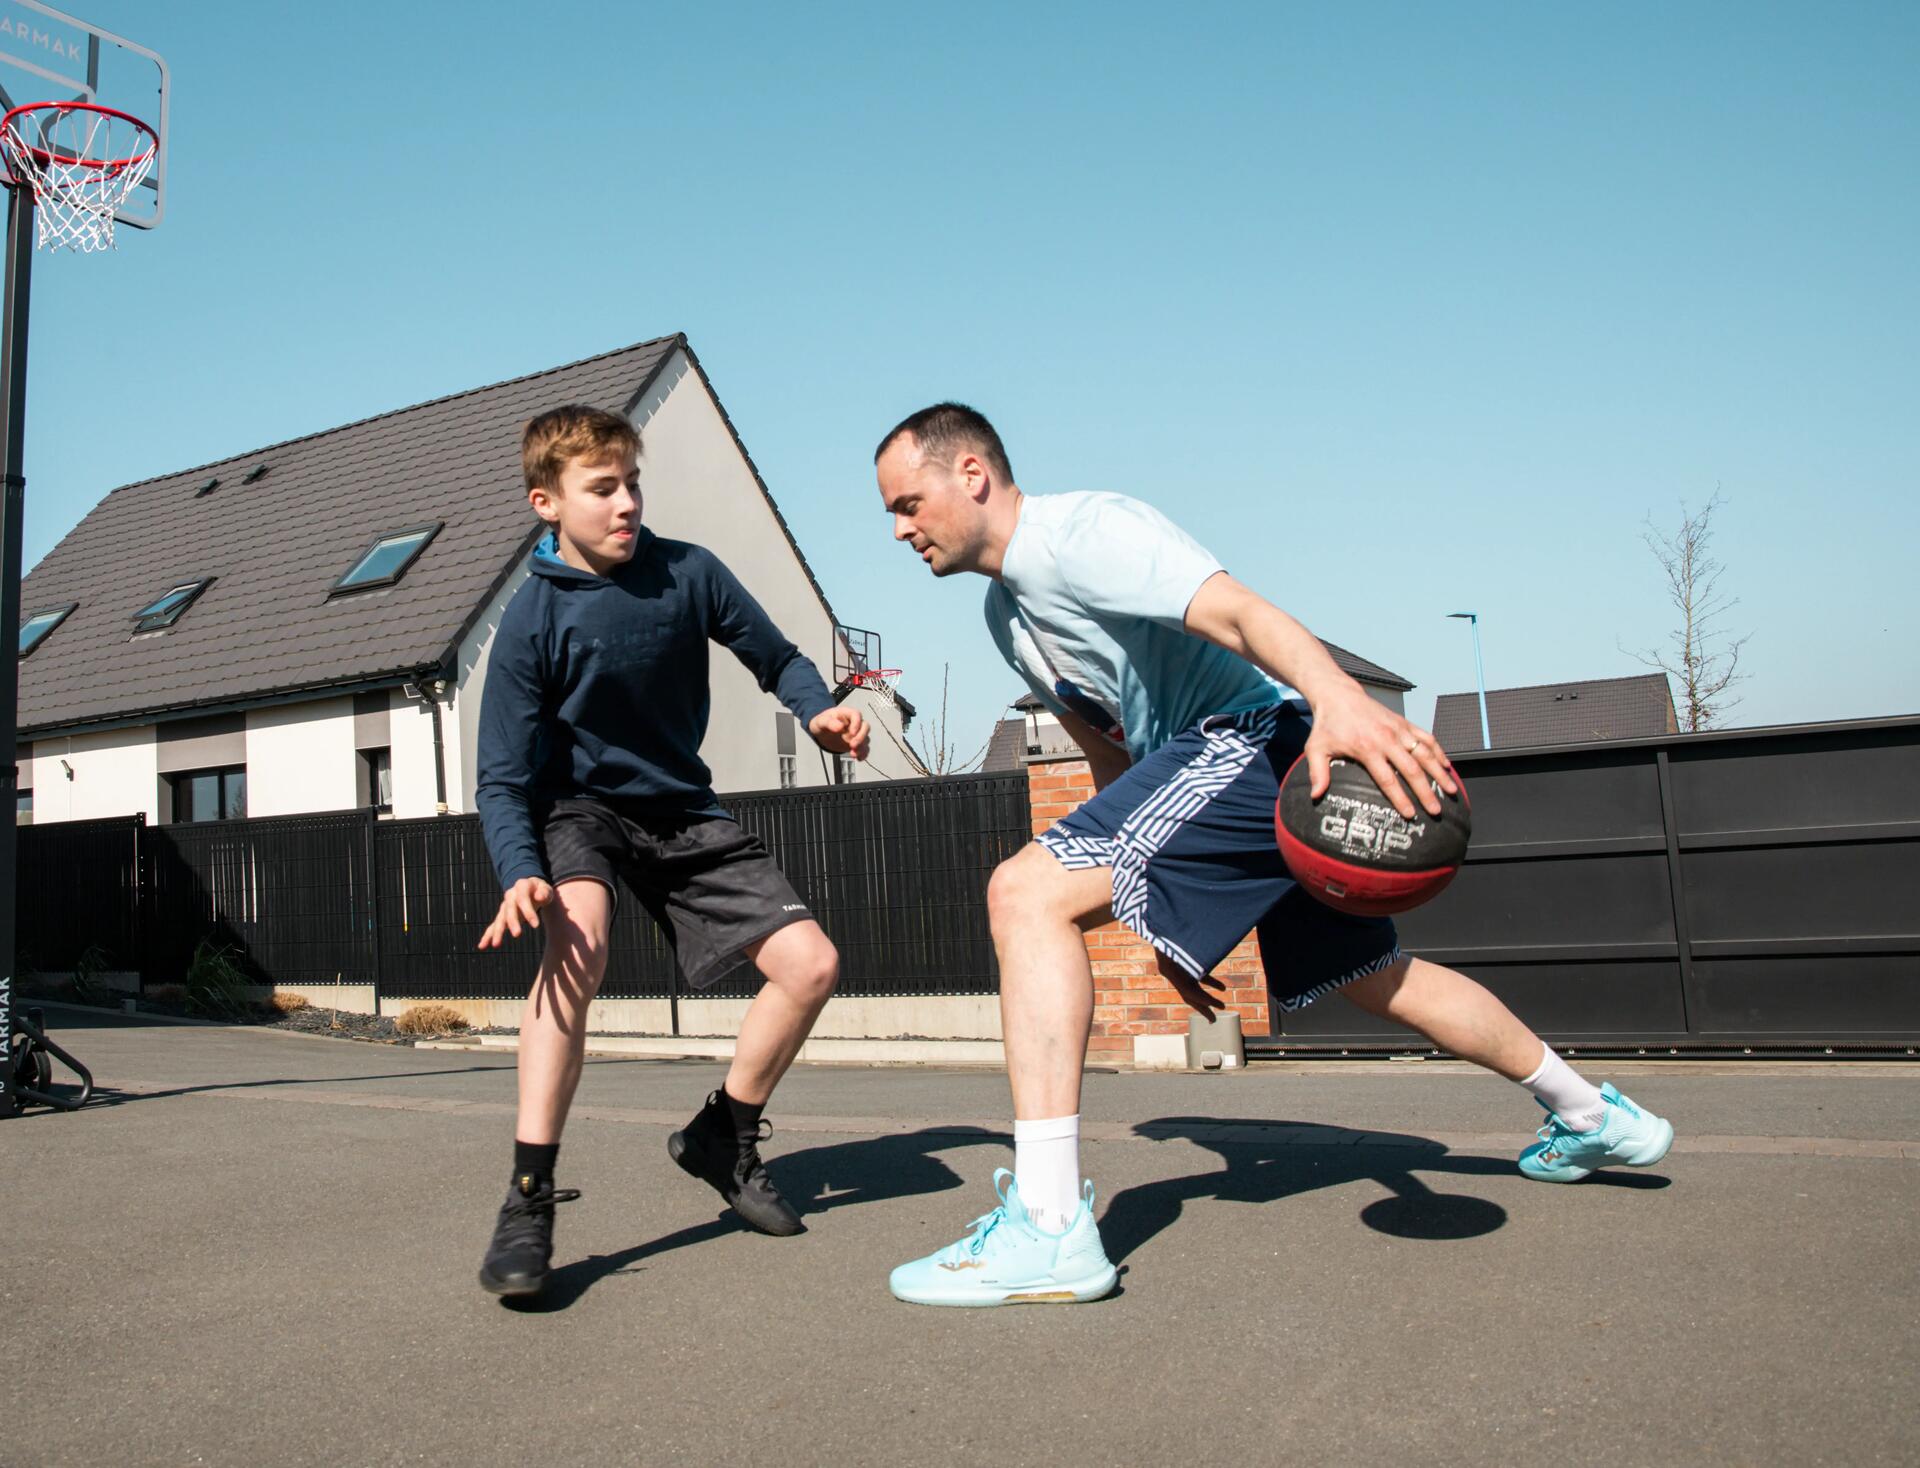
(744, 1117)
(537, 1158)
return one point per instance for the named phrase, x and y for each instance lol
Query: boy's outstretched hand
(519, 908)
(840, 730)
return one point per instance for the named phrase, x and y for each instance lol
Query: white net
(81, 163)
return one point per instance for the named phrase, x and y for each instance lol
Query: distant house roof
(1558, 713)
(1359, 668)
(1007, 746)
(275, 544)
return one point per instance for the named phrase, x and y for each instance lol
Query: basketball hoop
(879, 680)
(82, 162)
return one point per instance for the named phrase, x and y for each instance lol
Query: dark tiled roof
(266, 625)
(1008, 744)
(1558, 713)
(1355, 666)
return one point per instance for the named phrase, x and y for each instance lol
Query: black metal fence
(1753, 889)
(896, 872)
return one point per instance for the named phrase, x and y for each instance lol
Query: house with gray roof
(307, 626)
(1558, 713)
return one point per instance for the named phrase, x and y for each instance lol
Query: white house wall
(463, 725)
(300, 757)
(115, 773)
(414, 789)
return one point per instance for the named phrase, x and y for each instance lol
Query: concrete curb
(968, 1054)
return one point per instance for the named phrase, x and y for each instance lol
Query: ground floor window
(210, 795)
(843, 769)
(789, 772)
(376, 777)
(22, 807)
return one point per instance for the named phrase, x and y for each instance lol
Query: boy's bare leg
(720, 1146)
(1037, 909)
(1454, 1012)
(801, 967)
(553, 1032)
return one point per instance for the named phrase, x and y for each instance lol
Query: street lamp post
(1480, 672)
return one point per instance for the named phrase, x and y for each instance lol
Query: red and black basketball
(1355, 852)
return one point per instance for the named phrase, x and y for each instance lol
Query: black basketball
(1355, 852)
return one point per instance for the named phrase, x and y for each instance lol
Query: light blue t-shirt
(1090, 609)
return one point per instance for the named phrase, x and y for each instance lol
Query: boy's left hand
(841, 731)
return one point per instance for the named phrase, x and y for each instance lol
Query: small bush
(216, 985)
(430, 1019)
(87, 969)
(167, 993)
(289, 1003)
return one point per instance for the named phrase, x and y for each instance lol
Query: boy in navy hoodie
(596, 703)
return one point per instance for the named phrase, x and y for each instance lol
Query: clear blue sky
(1402, 309)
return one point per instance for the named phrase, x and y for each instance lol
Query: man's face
(596, 512)
(936, 507)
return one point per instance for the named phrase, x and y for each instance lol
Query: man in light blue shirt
(1191, 697)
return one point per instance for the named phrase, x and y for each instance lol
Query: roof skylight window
(35, 629)
(165, 611)
(255, 474)
(387, 559)
(206, 489)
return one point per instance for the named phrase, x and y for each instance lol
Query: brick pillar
(1129, 996)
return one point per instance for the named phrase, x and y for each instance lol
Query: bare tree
(1700, 656)
(942, 757)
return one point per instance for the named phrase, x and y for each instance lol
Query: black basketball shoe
(517, 1259)
(727, 1158)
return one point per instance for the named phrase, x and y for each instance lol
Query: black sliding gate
(1753, 890)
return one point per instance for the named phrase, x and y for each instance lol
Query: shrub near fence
(896, 872)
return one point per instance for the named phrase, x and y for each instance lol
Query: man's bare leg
(1038, 910)
(1453, 1011)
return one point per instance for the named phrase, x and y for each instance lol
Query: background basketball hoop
(82, 162)
(880, 681)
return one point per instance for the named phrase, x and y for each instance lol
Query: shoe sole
(681, 1152)
(1095, 1287)
(1651, 1153)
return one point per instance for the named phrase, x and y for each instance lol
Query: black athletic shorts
(713, 888)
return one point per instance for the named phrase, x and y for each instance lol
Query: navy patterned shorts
(1188, 833)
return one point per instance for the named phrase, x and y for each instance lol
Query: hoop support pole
(13, 426)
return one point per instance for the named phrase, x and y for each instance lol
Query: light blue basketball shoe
(1006, 1260)
(1628, 1136)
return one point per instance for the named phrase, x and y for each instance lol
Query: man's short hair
(947, 429)
(560, 435)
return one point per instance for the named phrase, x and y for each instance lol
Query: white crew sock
(1046, 1167)
(1574, 1099)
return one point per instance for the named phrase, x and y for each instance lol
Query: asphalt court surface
(261, 1249)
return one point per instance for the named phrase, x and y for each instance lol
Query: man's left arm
(1346, 721)
(742, 626)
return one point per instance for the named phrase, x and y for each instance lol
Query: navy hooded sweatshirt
(598, 685)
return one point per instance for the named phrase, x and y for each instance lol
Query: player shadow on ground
(816, 1180)
(1268, 1171)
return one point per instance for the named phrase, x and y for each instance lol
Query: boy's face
(596, 511)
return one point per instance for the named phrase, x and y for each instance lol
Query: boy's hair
(946, 429)
(559, 435)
